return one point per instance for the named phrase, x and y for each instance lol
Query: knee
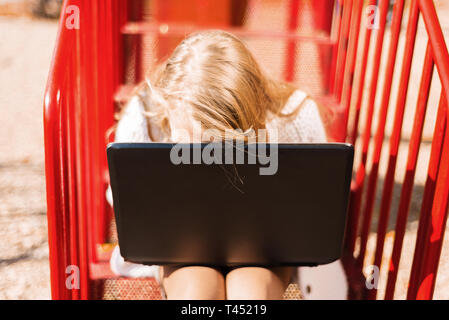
(194, 283)
(255, 284)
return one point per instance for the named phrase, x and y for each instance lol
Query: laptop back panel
(230, 214)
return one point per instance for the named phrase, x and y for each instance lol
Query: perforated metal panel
(148, 289)
(293, 293)
(126, 289)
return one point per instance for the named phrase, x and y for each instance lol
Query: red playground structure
(336, 50)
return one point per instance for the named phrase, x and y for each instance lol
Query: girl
(213, 82)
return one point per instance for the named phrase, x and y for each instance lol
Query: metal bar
(429, 192)
(179, 29)
(323, 16)
(432, 229)
(361, 171)
(350, 67)
(55, 212)
(71, 143)
(436, 227)
(57, 215)
(379, 137)
(88, 102)
(343, 47)
(294, 8)
(65, 201)
(338, 23)
(352, 226)
(407, 186)
(135, 13)
(104, 114)
(440, 53)
(362, 77)
(87, 62)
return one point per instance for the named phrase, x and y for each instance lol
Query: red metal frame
(408, 181)
(358, 185)
(362, 77)
(343, 41)
(78, 109)
(88, 69)
(434, 210)
(434, 231)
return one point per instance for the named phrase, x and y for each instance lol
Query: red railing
(88, 68)
(78, 109)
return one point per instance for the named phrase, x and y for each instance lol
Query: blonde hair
(213, 77)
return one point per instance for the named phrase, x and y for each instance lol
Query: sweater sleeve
(133, 126)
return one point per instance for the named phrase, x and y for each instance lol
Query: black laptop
(229, 204)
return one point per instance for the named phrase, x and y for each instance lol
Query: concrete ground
(25, 53)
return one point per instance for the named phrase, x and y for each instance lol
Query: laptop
(229, 204)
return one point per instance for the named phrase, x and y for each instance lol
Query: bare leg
(193, 283)
(255, 283)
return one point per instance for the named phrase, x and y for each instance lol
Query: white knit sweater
(305, 127)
